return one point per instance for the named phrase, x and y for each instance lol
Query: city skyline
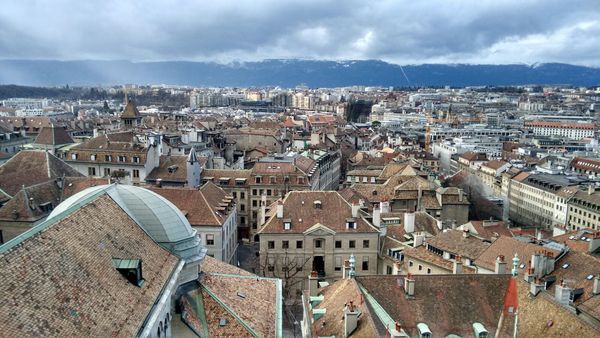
(397, 32)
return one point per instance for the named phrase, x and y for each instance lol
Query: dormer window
(122, 158)
(130, 269)
(74, 156)
(301, 180)
(135, 159)
(287, 224)
(350, 223)
(272, 179)
(93, 157)
(317, 204)
(258, 179)
(108, 158)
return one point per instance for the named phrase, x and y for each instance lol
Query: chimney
(457, 265)
(460, 195)
(500, 268)
(263, 210)
(591, 189)
(529, 275)
(562, 293)
(409, 285)
(279, 209)
(596, 287)
(465, 232)
(536, 287)
(355, 208)
(418, 240)
(350, 319)
(594, 242)
(396, 331)
(346, 269)
(384, 206)
(159, 182)
(377, 217)
(535, 263)
(313, 284)
(409, 222)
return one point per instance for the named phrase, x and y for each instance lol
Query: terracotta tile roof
(581, 265)
(298, 206)
(335, 298)
(521, 176)
(592, 307)
(535, 313)
(474, 156)
(172, 168)
(70, 287)
(494, 164)
(25, 206)
(573, 239)
(453, 241)
(494, 229)
(29, 167)
(421, 253)
(200, 206)
(213, 265)
(73, 185)
(365, 172)
(507, 247)
(53, 135)
(586, 164)
(257, 307)
(448, 304)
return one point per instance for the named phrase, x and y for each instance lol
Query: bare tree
(290, 269)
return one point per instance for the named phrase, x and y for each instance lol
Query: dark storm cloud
(222, 31)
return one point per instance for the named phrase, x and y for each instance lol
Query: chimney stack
(465, 232)
(535, 263)
(596, 287)
(355, 208)
(591, 189)
(457, 265)
(313, 284)
(460, 195)
(159, 182)
(529, 275)
(350, 319)
(279, 209)
(377, 217)
(536, 287)
(562, 293)
(409, 285)
(263, 210)
(594, 242)
(500, 268)
(409, 222)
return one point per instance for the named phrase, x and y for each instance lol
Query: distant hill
(289, 73)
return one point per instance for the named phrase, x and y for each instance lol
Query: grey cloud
(222, 31)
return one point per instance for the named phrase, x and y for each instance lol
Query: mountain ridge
(290, 73)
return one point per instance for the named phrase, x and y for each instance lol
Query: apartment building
(586, 166)
(570, 130)
(212, 213)
(584, 209)
(316, 231)
(533, 198)
(123, 155)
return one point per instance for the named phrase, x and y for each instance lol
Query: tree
(290, 269)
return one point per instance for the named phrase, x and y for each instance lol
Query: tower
(193, 169)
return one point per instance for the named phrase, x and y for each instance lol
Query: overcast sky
(404, 32)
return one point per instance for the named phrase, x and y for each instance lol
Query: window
(73, 156)
(136, 173)
(107, 158)
(388, 270)
(365, 243)
(106, 171)
(352, 244)
(122, 158)
(242, 195)
(46, 207)
(135, 159)
(420, 267)
(242, 207)
(350, 224)
(258, 179)
(92, 157)
(287, 225)
(428, 270)
(300, 180)
(338, 244)
(338, 263)
(365, 263)
(268, 192)
(91, 171)
(285, 244)
(272, 179)
(271, 244)
(254, 192)
(234, 194)
(318, 243)
(242, 220)
(210, 239)
(299, 244)
(410, 263)
(254, 203)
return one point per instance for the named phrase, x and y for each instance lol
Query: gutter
(165, 296)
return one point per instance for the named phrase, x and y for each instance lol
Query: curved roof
(154, 213)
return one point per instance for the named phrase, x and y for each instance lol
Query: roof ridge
(209, 206)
